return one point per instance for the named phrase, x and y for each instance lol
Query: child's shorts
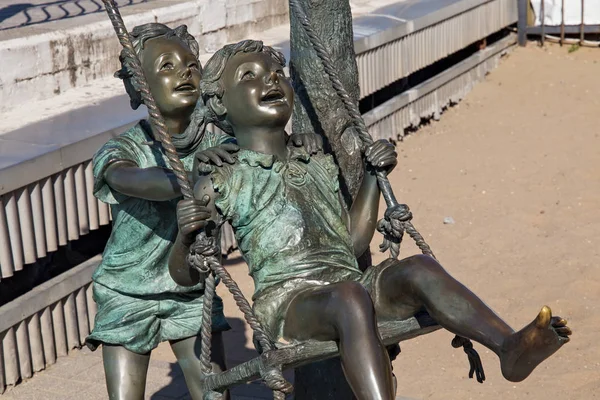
(140, 323)
(271, 307)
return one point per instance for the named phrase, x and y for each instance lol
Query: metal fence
(556, 33)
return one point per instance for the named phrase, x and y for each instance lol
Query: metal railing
(420, 46)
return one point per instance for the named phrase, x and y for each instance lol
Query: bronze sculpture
(138, 306)
(301, 246)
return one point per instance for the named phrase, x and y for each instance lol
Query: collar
(256, 159)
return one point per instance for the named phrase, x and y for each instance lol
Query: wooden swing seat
(298, 354)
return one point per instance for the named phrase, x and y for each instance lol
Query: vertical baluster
(361, 73)
(81, 196)
(60, 333)
(11, 357)
(543, 17)
(37, 209)
(27, 237)
(6, 262)
(60, 207)
(48, 336)
(2, 373)
(92, 202)
(582, 27)
(71, 204)
(82, 315)
(14, 231)
(49, 214)
(35, 340)
(23, 350)
(562, 22)
(91, 305)
(71, 322)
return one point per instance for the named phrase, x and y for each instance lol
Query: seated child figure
(301, 245)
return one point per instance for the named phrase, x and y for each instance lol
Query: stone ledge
(78, 52)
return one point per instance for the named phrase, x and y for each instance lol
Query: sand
(517, 166)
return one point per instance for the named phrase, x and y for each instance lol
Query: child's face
(256, 91)
(173, 75)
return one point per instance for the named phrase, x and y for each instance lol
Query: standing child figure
(139, 305)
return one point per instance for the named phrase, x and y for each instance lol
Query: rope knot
(203, 253)
(274, 379)
(475, 365)
(392, 228)
(399, 212)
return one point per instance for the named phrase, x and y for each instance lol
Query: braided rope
(392, 236)
(140, 83)
(202, 254)
(244, 306)
(475, 365)
(203, 258)
(206, 330)
(272, 377)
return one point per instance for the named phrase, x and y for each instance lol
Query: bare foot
(526, 349)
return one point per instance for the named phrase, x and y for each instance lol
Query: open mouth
(185, 87)
(273, 96)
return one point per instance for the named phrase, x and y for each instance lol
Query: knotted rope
(203, 257)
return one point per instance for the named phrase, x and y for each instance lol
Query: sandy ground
(517, 166)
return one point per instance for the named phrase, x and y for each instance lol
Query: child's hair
(139, 35)
(210, 84)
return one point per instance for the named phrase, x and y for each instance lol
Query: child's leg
(344, 312)
(125, 372)
(420, 282)
(187, 352)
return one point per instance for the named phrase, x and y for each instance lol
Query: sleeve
(224, 183)
(117, 149)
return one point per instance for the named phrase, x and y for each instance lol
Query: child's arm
(192, 216)
(363, 213)
(154, 183)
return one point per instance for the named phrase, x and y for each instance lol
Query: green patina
(287, 217)
(134, 265)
